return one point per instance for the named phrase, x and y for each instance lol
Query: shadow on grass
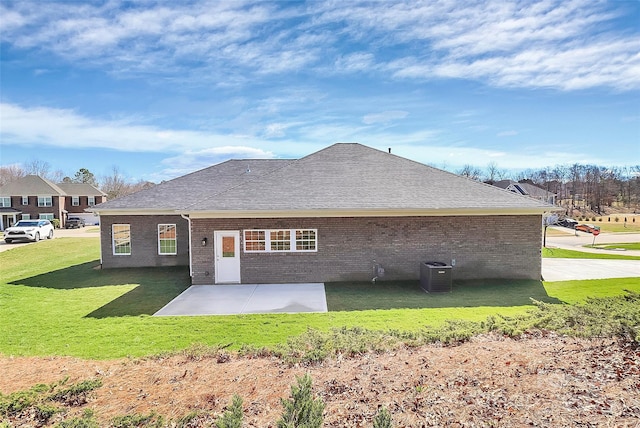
(155, 286)
(358, 296)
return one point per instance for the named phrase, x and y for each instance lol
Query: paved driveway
(247, 299)
(570, 269)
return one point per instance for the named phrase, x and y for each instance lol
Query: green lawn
(571, 254)
(54, 301)
(625, 246)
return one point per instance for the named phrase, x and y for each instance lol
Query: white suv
(29, 230)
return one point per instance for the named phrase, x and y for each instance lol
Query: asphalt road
(86, 232)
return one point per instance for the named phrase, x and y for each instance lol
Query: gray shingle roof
(355, 177)
(341, 177)
(193, 188)
(31, 185)
(80, 189)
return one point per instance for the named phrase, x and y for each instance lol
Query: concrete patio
(247, 299)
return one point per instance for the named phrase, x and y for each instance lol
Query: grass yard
(53, 301)
(623, 246)
(571, 254)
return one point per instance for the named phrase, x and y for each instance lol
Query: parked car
(568, 222)
(29, 230)
(73, 222)
(587, 227)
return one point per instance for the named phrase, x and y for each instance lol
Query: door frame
(217, 240)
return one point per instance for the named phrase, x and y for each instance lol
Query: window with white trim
(167, 239)
(45, 216)
(91, 200)
(25, 200)
(280, 240)
(5, 202)
(26, 216)
(75, 201)
(121, 239)
(45, 201)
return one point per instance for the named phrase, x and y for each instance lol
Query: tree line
(114, 184)
(577, 186)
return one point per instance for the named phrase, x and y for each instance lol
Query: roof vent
(389, 150)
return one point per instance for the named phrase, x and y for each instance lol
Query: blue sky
(160, 88)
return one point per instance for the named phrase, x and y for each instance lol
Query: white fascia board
(132, 212)
(367, 213)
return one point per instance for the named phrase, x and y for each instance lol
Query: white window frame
(91, 200)
(115, 241)
(26, 217)
(45, 216)
(3, 201)
(25, 200)
(45, 201)
(75, 201)
(175, 239)
(270, 244)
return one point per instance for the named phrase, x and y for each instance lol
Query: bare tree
(10, 173)
(471, 172)
(494, 173)
(114, 185)
(37, 167)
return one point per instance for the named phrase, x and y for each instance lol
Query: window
(305, 240)
(25, 200)
(46, 216)
(280, 240)
(26, 216)
(91, 200)
(121, 239)
(255, 240)
(45, 201)
(167, 241)
(5, 202)
(75, 201)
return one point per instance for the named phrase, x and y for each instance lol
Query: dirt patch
(490, 381)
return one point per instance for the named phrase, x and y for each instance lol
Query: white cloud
(507, 133)
(384, 117)
(67, 129)
(566, 45)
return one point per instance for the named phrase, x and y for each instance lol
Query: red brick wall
(34, 210)
(483, 247)
(144, 241)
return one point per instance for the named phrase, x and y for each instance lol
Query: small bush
(76, 395)
(56, 223)
(232, 417)
(382, 419)
(152, 420)
(86, 421)
(616, 219)
(302, 410)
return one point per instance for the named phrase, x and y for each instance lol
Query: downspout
(190, 252)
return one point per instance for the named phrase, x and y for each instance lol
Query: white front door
(227, 255)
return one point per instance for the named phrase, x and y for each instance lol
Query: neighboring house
(80, 197)
(527, 189)
(33, 197)
(330, 216)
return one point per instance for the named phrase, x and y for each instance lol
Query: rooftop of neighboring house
(34, 185)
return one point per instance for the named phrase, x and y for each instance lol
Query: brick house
(33, 197)
(330, 216)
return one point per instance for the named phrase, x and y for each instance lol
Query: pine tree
(232, 417)
(382, 419)
(302, 410)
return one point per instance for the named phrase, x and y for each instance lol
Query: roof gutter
(190, 252)
(446, 212)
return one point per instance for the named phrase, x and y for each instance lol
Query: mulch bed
(540, 379)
